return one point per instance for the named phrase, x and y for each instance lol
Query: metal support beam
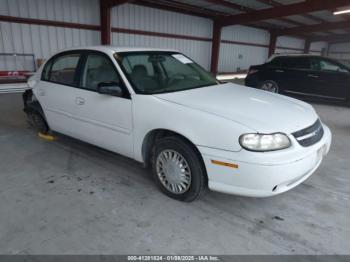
(341, 38)
(182, 8)
(113, 3)
(215, 48)
(272, 45)
(105, 21)
(285, 10)
(231, 5)
(33, 21)
(328, 50)
(307, 46)
(246, 9)
(105, 18)
(315, 28)
(275, 3)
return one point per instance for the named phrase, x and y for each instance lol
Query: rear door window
(285, 62)
(64, 68)
(276, 62)
(296, 63)
(302, 63)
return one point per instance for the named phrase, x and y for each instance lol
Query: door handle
(79, 101)
(313, 76)
(279, 71)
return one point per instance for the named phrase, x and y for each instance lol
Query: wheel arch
(260, 84)
(152, 136)
(32, 105)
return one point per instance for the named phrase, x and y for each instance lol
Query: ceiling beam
(246, 9)
(332, 39)
(188, 9)
(276, 4)
(308, 16)
(234, 6)
(180, 8)
(314, 28)
(112, 3)
(285, 10)
(34, 21)
(230, 5)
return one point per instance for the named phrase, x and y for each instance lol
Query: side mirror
(109, 88)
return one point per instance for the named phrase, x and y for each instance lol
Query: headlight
(264, 142)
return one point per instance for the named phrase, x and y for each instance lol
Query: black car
(302, 76)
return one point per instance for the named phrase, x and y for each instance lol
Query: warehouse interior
(68, 197)
(192, 27)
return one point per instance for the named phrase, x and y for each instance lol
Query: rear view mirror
(110, 88)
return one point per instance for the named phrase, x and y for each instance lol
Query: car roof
(291, 55)
(119, 49)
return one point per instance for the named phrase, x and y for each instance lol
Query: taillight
(252, 71)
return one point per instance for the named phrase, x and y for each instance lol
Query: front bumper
(257, 174)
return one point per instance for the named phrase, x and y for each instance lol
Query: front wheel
(178, 169)
(270, 86)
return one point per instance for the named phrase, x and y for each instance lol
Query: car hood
(256, 109)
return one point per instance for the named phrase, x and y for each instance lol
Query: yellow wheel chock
(46, 137)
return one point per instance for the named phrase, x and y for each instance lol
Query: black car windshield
(162, 72)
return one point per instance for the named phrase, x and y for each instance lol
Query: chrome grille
(310, 135)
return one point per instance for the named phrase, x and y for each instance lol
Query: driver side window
(98, 69)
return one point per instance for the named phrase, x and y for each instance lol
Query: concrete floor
(67, 197)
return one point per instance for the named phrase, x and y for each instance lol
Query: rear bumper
(267, 175)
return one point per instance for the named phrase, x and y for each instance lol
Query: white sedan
(162, 109)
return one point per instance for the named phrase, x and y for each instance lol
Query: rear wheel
(178, 169)
(270, 86)
(38, 122)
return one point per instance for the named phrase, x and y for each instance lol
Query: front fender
(201, 128)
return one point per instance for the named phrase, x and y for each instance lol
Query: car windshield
(162, 72)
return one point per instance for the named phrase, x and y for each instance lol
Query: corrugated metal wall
(287, 44)
(77, 11)
(239, 56)
(317, 47)
(235, 57)
(296, 45)
(154, 20)
(340, 51)
(43, 41)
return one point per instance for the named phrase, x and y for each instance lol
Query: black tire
(38, 122)
(270, 86)
(198, 182)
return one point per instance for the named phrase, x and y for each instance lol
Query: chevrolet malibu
(165, 111)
